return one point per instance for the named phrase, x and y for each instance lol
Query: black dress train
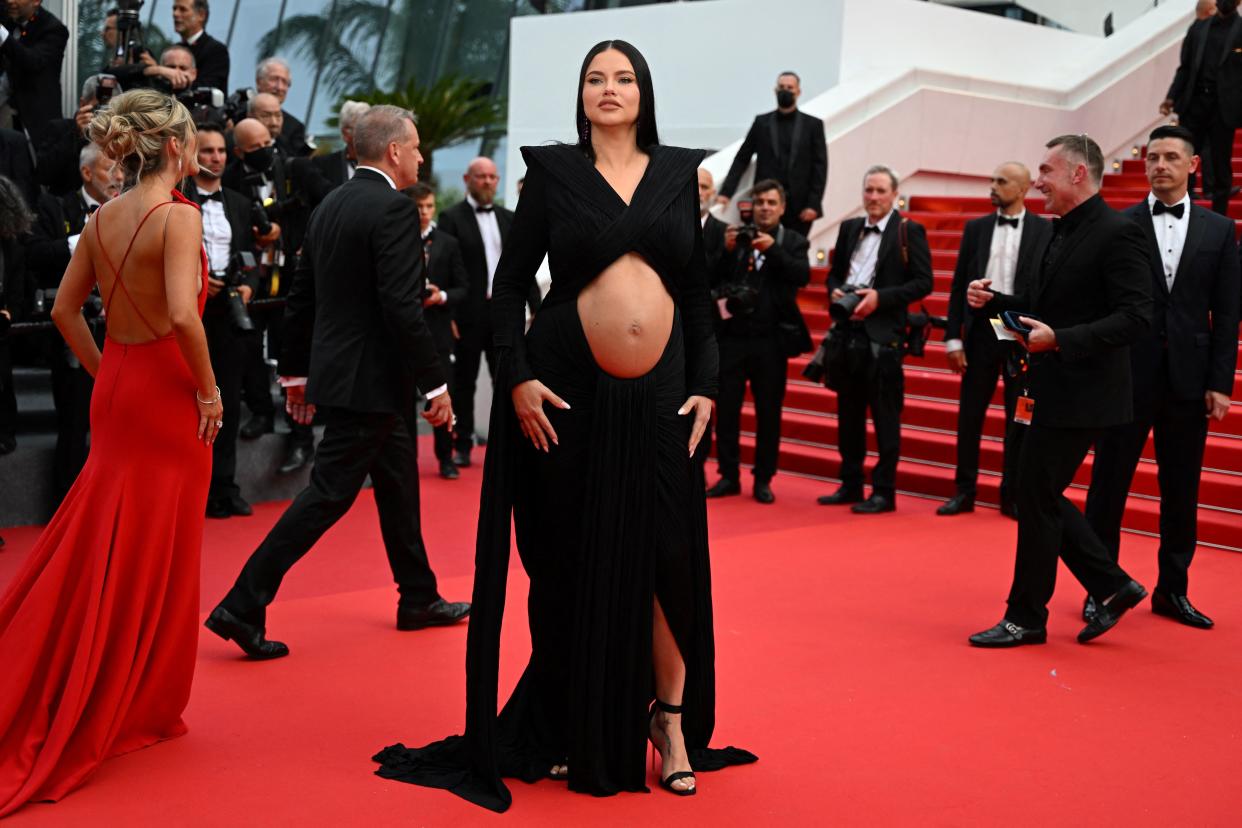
(609, 519)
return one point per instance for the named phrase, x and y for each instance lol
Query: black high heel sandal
(667, 782)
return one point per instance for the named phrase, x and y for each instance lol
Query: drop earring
(585, 132)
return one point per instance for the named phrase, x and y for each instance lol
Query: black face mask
(260, 160)
(784, 98)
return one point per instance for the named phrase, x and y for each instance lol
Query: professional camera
(105, 88)
(260, 206)
(206, 104)
(242, 264)
(44, 298)
(842, 309)
(237, 105)
(748, 230)
(918, 330)
(741, 298)
(129, 42)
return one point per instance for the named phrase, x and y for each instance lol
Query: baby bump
(627, 316)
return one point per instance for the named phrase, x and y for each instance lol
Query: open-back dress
(608, 520)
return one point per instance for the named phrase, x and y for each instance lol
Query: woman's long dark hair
(648, 135)
(15, 217)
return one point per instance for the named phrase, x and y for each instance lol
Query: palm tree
(450, 111)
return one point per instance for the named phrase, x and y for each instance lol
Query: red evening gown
(99, 629)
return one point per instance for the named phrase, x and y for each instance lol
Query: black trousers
(1216, 136)
(354, 445)
(760, 361)
(228, 348)
(71, 395)
(8, 394)
(468, 352)
(1181, 429)
(879, 386)
(1049, 524)
(986, 357)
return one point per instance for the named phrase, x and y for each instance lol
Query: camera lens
(842, 309)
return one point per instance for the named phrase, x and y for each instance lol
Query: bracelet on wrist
(201, 401)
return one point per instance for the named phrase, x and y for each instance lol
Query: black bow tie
(1178, 210)
(871, 228)
(1002, 221)
(218, 195)
(484, 208)
(91, 208)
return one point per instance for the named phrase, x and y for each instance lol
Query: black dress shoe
(437, 614)
(297, 457)
(956, 505)
(1090, 608)
(257, 426)
(724, 487)
(1008, 508)
(763, 493)
(249, 637)
(218, 508)
(461, 459)
(1008, 634)
(448, 470)
(874, 505)
(1110, 612)
(238, 505)
(840, 497)
(1179, 608)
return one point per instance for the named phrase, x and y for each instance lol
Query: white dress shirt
(217, 235)
(489, 229)
(1002, 266)
(90, 203)
(862, 263)
(433, 393)
(1170, 236)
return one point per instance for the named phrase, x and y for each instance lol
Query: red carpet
(842, 662)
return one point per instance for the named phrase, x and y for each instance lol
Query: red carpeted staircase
(809, 430)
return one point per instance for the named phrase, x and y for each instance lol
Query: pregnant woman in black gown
(590, 451)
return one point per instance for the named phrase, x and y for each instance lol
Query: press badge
(1024, 411)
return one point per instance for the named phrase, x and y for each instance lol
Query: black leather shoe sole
(246, 636)
(442, 616)
(1111, 611)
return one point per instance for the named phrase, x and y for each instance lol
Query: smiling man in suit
(1183, 369)
(999, 246)
(1206, 93)
(788, 146)
(1089, 301)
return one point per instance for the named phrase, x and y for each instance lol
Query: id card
(1025, 410)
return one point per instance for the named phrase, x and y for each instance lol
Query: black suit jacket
(1228, 76)
(1198, 320)
(896, 283)
(58, 149)
(447, 271)
(238, 210)
(459, 222)
(294, 186)
(784, 272)
(713, 242)
(31, 56)
(15, 164)
(1095, 293)
(212, 59)
(972, 264)
(804, 173)
(354, 321)
(333, 168)
(47, 244)
(292, 138)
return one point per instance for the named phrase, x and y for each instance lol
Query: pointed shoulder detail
(566, 163)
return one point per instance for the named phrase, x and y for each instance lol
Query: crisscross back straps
(117, 281)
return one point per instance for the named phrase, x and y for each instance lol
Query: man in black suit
(272, 76)
(59, 223)
(999, 246)
(445, 289)
(480, 227)
(337, 167)
(15, 164)
(1089, 301)
(881, 264)
(228, 230)
(1183, 369)
(790, 148)
(713, 250)
(357, 348)
(756, 288)
(32, 48)
(1206, 93)
(210, 55)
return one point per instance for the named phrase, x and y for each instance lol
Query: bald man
(481, 227)
(999, 246)
(264, 107)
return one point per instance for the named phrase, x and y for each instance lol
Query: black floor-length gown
(608, 520)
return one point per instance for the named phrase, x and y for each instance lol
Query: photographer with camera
(756, 288)
(337, 167)
(881, 264)
(228, 236)
(15, 220)
(272, 76)
(32, 48)
(59, 223)
(788, 145)
(210, 55)
(58, 148)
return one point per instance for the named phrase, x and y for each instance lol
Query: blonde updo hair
(133, 128)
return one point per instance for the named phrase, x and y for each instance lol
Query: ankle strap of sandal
(668, 708)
